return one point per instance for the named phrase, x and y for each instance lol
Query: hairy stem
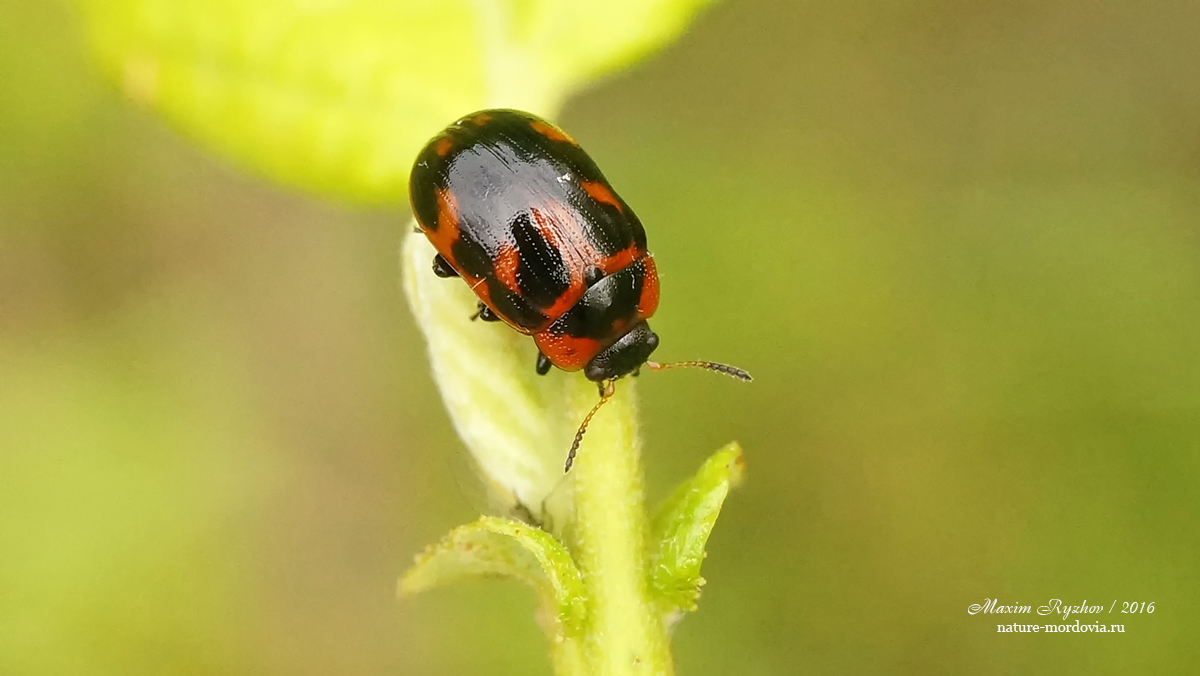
(624, 634)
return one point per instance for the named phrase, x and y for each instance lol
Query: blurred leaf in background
(339, 97)
(956, 243)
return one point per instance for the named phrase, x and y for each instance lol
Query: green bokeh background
(957, 243)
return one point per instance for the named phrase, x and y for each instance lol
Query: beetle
(519, 211)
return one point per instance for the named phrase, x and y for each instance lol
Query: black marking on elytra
(471, 257)
(513, 307)
(608, 228)
(423, 184)
(541, 275)
(424, 205)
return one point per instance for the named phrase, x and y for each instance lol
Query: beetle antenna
(606, 393)
(731, 371)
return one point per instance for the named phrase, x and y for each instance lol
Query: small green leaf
(682, 525)
(495, 547)
(338, 97)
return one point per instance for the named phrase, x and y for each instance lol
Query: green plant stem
(624, 634)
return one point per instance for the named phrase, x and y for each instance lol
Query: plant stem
(624, 633)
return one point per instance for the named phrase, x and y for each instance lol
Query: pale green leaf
(682, 525)
(495, 547)
(337, 96)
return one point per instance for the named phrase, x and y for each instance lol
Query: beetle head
(624, 356)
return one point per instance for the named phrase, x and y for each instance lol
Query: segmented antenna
(605, 394)
(607, 389)
(731, 371)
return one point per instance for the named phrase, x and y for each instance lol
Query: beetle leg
(485, 313)
(441, 268)
(543, 364)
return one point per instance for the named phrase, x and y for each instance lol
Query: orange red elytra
(518, 210)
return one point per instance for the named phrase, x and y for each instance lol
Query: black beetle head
(624, 356)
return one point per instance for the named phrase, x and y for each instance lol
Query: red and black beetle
(517, 209)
